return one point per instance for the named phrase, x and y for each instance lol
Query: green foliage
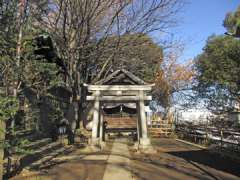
(218, 70)
(16, 146)
(31, 74)
(13, 144)
(8, 37)
(219, 64)
(136, 53)
(8, 107)
(232, 21)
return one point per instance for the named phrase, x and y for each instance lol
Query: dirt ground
(173, 160)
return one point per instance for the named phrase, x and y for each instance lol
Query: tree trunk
(19, 51)
(73, 78)
(2, 138)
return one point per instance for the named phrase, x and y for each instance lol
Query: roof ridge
(129, 74)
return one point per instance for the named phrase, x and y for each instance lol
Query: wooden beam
(119, 87)
(119, 93)
(119, 98)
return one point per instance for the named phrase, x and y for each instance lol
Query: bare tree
(173, 80)
(80, 29)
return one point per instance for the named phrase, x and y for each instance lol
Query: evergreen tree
(218, 69)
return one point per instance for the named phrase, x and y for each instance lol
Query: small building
(119, 100)
(120, 117)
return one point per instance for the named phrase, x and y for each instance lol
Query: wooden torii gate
(120, 87)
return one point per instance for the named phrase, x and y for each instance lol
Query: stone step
(47, 158)
(38, 143)
(39, 153)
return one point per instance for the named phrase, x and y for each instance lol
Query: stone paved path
(118, 162)
(174, 161)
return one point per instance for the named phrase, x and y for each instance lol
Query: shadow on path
(212, 160)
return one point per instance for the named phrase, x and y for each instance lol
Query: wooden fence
(223, 138)
(160, 128)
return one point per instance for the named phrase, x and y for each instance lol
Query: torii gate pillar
(144, 140)
(96, 116)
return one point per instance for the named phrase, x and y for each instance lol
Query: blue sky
(199, 20)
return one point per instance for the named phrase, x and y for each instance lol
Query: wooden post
(206, 130)
(221, 133)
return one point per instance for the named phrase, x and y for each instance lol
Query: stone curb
(192, 144)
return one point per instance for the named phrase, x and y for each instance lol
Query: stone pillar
(144, 140)
(139, 130)
(101, 128)
(75, 118)
(101, 139)
(95, 121)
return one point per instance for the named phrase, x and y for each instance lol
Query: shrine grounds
(119, 160)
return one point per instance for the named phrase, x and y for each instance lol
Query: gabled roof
(121, 77)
